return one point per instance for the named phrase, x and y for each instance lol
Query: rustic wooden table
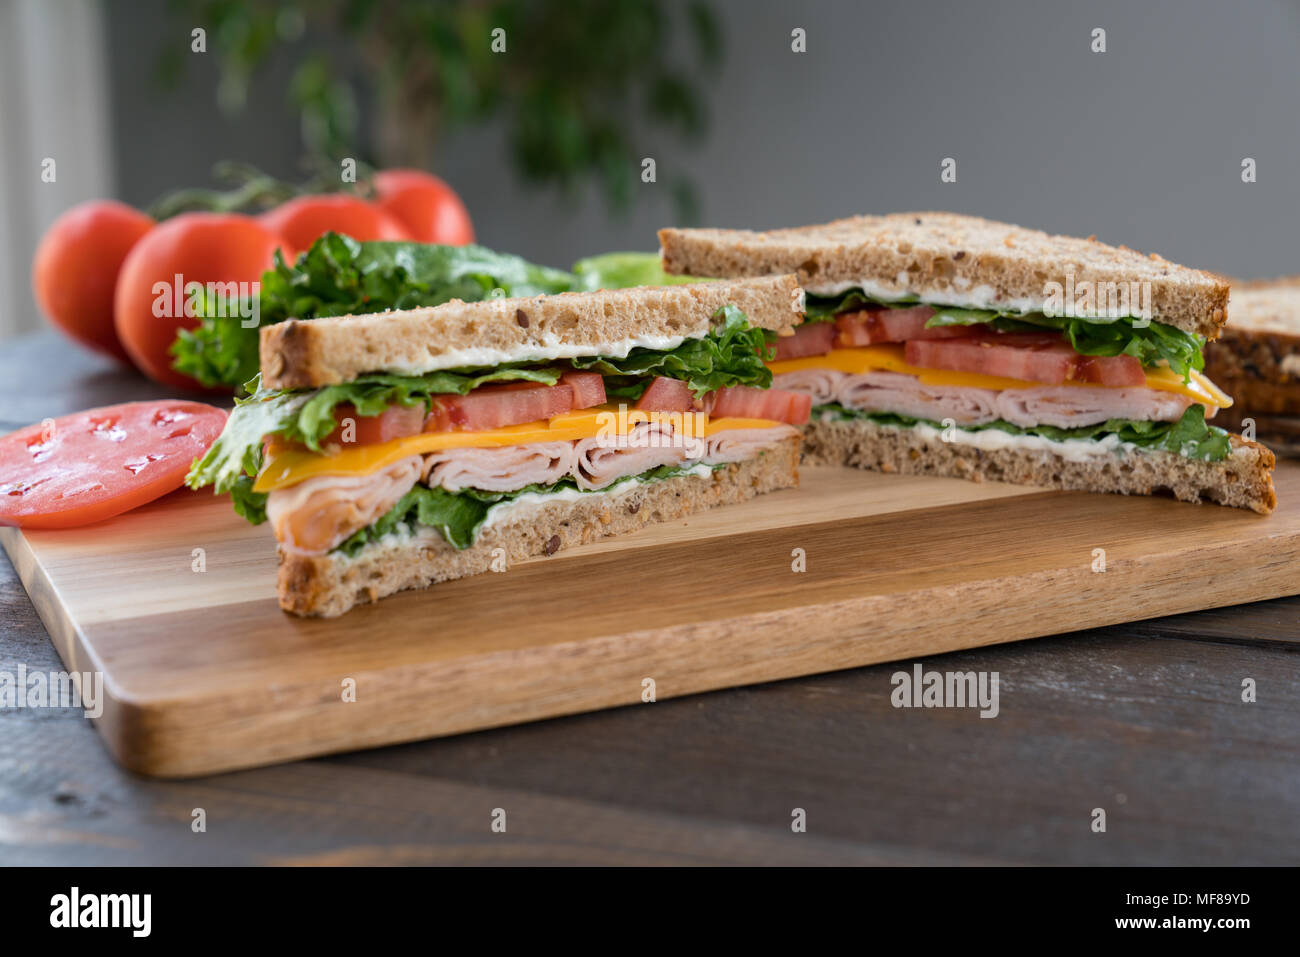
(1144, 720)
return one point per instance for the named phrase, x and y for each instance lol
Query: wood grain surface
(204, 673)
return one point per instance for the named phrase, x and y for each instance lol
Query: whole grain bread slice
(1257, 359)
(328, 585)
(949, 259)
(1243, 480)
(301, 354)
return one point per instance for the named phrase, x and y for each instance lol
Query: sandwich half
(395, 450)
(941, 344)
(1257, 359)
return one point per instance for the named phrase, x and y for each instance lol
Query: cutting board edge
(145, 738)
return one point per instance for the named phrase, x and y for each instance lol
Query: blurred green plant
(583, 87)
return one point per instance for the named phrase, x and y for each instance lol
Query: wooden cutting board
(203, 672)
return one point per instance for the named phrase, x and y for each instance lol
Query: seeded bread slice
(301, 354)
(1243, 480)
(328, 585)
(948, 259)
(1257, 359)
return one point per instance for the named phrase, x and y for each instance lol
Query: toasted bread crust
(310, 354)
(944, 255)
(328, 585)
(1244, 480)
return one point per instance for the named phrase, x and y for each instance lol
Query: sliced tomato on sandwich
(1110, 370)
(497, 406)
(809, 339)
(667, 395)
(745, 402)
(588, 388)
(868, 327)
(395, 422)
(1044, 357)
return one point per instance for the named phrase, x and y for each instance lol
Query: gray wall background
(1141, 145)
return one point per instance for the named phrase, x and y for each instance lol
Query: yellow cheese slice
(291, 466)
(889, 358)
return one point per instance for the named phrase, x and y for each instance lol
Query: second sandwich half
(400, 449)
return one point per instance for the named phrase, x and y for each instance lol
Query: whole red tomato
(76, 267)
(428, 207)
(303, 220)
(150, 304)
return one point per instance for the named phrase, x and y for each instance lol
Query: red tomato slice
(1110, 370)
(1031, 357)
(588, 388)
(92, 465)
(810, 339)
(867, 327)
(496, 406)
(667, 395)
(745, 402)
(395, 422)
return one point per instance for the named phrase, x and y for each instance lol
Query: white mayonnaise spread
(979, 297)
(475, 357)
(991, 440)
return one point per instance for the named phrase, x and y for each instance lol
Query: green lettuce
(622, 270)
(1191, 436)
(732, 354)
(339, 276)
(457, 516)
(825, 308)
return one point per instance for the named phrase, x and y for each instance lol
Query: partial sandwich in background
(395, 450)
(1257, 359)
(943, 344)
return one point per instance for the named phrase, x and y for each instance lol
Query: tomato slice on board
(745, 402)
(664, 394)
(809, 339)
(92, 465)
(496, 406)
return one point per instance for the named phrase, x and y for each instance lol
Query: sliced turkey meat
(821, 384)
(905, 395)
(648, 445)
(737, 445)
(316, 515)
(1068, 407)
(499, 469)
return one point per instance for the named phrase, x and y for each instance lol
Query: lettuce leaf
(732, 354)
(1191, 436)
(825, 308)
(622, 270)
(458, 516)
(339, 276)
